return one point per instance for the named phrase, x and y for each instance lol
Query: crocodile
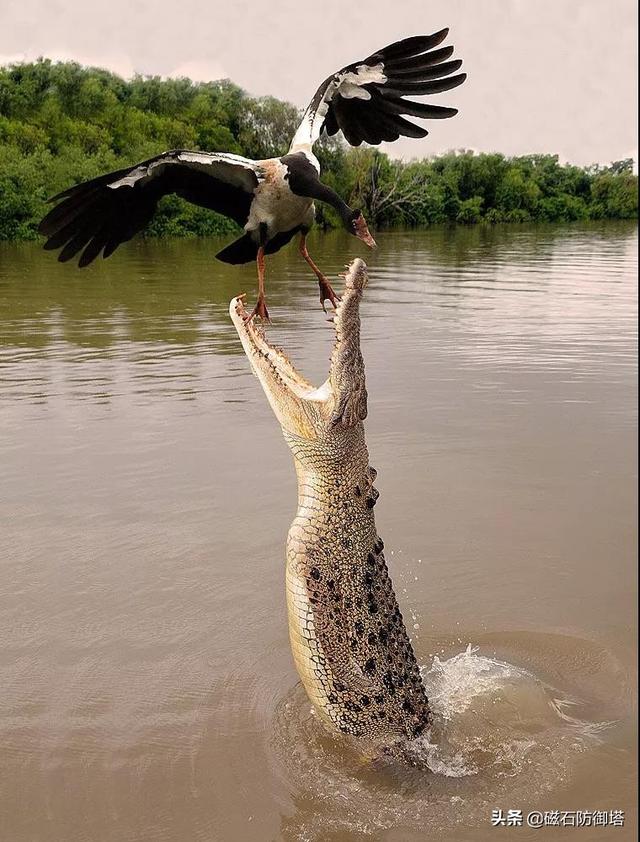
(349, 642)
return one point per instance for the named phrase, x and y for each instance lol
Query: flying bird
(272, 199)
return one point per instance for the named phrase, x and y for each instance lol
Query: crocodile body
(348, 638)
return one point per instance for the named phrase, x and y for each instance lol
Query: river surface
(147, 690)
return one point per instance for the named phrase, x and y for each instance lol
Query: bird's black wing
(366, 99)
(98, 215)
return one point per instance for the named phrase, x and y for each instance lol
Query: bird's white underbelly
(276, 206)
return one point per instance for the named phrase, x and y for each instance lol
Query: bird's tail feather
(242, 250)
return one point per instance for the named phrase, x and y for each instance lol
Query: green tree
(62, 123)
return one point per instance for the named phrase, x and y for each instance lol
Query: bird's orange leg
(261, 305)
(326, 291)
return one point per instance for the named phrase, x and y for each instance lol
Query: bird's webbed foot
(327, 293)
(326, 290)
(259, 310)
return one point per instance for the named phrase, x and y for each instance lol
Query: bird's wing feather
(98, 215)
(366, 99)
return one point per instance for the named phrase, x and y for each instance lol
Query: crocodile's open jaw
(302, 408)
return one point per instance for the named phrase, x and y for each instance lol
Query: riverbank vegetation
(61, 123)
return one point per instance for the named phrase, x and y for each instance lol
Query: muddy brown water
(146, 686)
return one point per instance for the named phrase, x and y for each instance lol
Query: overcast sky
(544, 75)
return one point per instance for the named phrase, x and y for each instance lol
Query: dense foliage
(63, 123)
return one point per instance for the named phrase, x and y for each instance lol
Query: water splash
(453, 684)
(492, 718)
(502, 734)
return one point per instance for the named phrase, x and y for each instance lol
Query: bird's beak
(362, 232)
